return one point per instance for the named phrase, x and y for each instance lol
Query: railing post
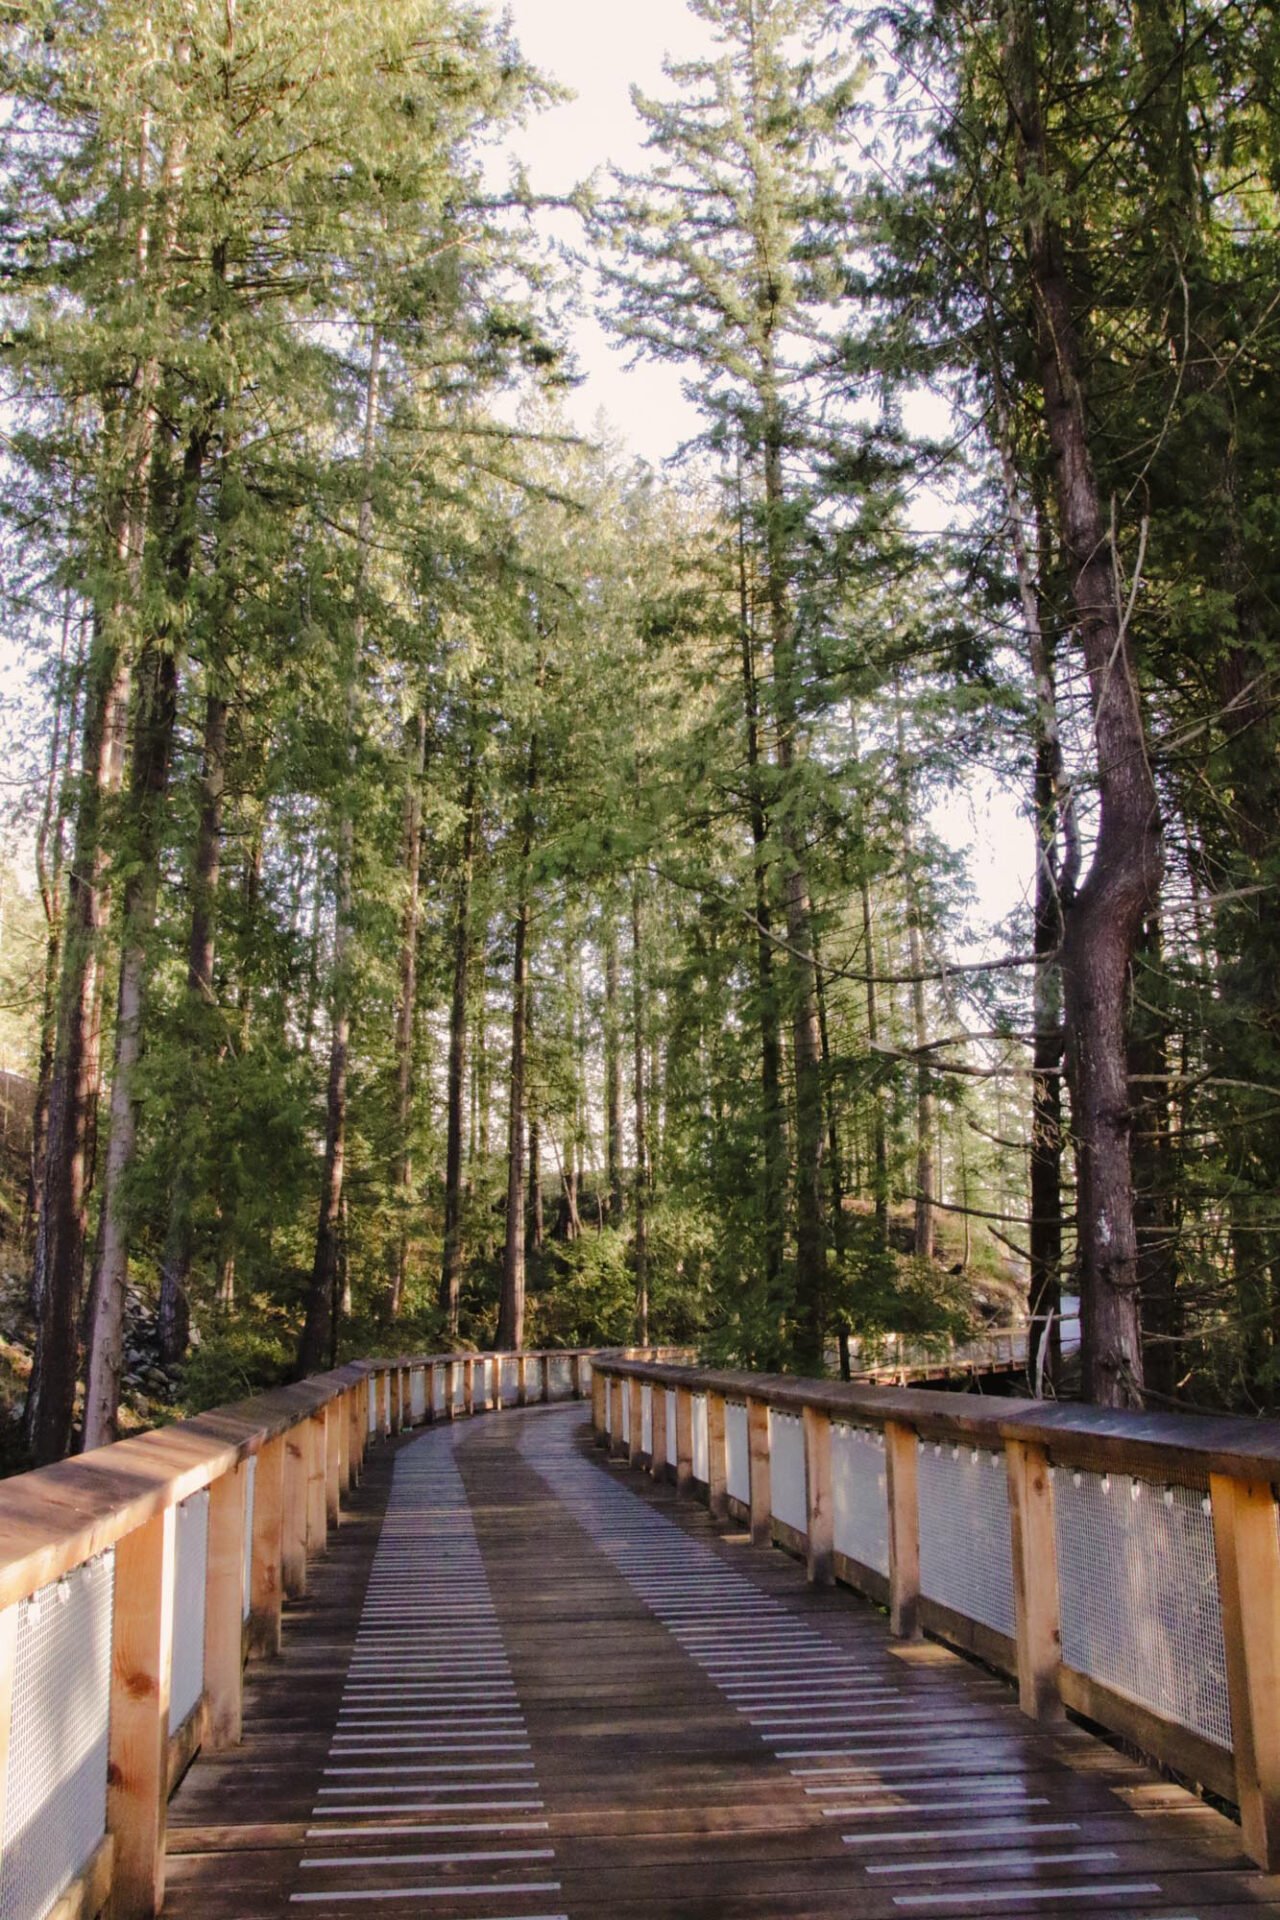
(384, 1404)
(8, 1664)
(468, 1387)
(617, 1440)
(900, 1451)
(224, 1606)
(761, 1470)
(450, 1389)
(141, 1669)
(522, 1380)
(342, 1415)
(599, 1417)
(317, 1503)
(297, 1475)
(717, 1458)
(1035, 1579)
(429, 1388)
(658, 1423)
(635, 1445)
(579, 1362)
(1247, 1547)
(819, 1513)
(357, 1424)
(332, 1463)
(266, 1590)
(684, 1441)
(397, 1400)
(546, 1379)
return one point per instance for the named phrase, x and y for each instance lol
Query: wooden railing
(135, 1581)
(1124, 1566)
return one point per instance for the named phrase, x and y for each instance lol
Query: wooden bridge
(496, 1668)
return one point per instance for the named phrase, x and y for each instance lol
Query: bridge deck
(527, 1684)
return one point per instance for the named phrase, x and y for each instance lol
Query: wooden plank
(900, 1451)
(820, 1509)
(1034, 1546)
(141, 1666)
(297, 1475)
(1247, 1544)
(760, 1466)
(224, 1606)
(266, 1582)
(717, 1458)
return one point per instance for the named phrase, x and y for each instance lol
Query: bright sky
(599, 48)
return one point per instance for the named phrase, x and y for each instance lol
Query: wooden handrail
(1228, 1464)
(308, 1443)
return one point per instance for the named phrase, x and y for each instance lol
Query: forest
(484, 888)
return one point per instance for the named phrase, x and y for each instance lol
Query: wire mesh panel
(786, 1474)
(418, 1395)
(459, 1388)
(737, 1456)
(608, 1406)
(560, 1366)
(671, 1423)
(246, 1570)
(55, 1810)
(966, 1555)
(1139, 1595)
(626, 1411)
(701, 1468)
(374, 1390)
(646, 1420)
(860, 1498)
(510, 1381)
(190, 1553)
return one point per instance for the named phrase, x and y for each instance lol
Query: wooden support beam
(717, 1457)
(342, 1420)
(297, 1476)
(635, 1412)
(1247, 1546)
(545, 1363)
(468, 1387)
(224, 1606)
(579, 1371)
(450, 1389)
(1034, 1545)
(522, 1380)
(900, 1453)
(684, 1442)
(617, 1430)
(819, 1507)
(141, 1671)
(599, 1415)
(384, 1403)
(431, 1373)
(317, 1504)
(266, 1583)
(658, 1427)
(761, 1467)
(333, 1462)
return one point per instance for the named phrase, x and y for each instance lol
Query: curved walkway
(527, 1684)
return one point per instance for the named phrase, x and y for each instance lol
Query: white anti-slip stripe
(1012, 1863)
(487, 1854)
(926, 1786)
(495, 1774)
(452, 1826)
(910, 1836)
(1002, 1801)
(492, 1890)
(1008, 1895)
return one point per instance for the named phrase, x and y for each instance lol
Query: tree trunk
(451, 1266)
(773, 1106)
(314, 1343)
(406, 1012)
(613, 1075)
(1104, 919)
(511, 1305)
(640, 1185)
(1155, 1183)
(174, 1316)
(925, 1217)
(810, 1261)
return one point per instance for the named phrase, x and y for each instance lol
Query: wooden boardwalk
(526, 1683)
